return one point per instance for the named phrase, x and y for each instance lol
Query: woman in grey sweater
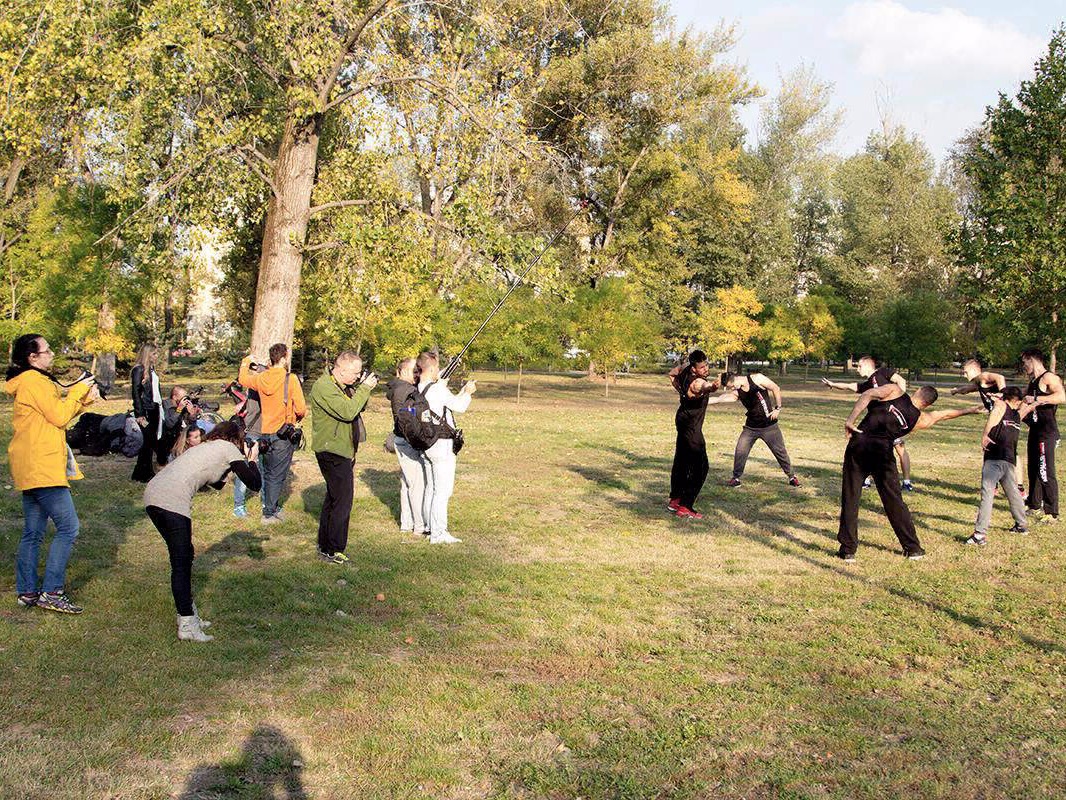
(168, 503)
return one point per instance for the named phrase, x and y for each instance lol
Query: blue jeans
(38, 506)
(240, 491)
(276, 463)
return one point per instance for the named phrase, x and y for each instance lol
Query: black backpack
(414, 422)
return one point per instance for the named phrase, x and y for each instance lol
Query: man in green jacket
(335, 425)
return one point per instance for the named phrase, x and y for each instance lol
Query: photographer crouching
(282, 406)
(337, 400)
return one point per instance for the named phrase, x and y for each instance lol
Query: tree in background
(729, 324)
(529, 328)
(613, 326)
(819, 332)
(781, 337)
(914, 332)
(1012, 241)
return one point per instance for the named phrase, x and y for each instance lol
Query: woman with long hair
(168, 503)
(189, 437)
(147, 409)
(42, 467)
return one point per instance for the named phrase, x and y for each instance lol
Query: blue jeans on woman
(38, 506)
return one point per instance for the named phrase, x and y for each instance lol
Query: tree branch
(254, 168)
(337, 204)
(349, 42)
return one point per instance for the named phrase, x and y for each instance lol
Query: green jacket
(332, 415)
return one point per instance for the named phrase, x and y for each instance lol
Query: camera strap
(285, 396)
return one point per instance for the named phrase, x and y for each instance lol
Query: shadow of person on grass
(385, 484)
(269, 766)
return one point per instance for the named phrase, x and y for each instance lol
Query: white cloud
(891, 39)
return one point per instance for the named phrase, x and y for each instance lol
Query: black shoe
(793, 481)
(908, 487)
(844, 555)
(1018, 529)
(914, 555)
(977, 539)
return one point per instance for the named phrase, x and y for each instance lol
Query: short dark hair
(1034, 353)
(929, 394)
(696, 357)
(228, 431)
(277, 352)
(972, 361)
(1013, 393)
(725, 378)
(868, 357)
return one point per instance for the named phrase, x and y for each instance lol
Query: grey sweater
(173, 488)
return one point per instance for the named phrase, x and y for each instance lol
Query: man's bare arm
(889, 391)
(930, 418)
(899, 380)
(966, 388)
(995, 416)
(1056, 394)
(765, 383)
(728, 397)
(841, 386)
(995, 378)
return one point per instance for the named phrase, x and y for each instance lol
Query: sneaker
(340, 558)
(1049, 519)
(240, 512)
(673, 505)
(443, 538)
(1033, 512)
(793, 481)
(28, 599)
(908, 487)
(271, 520)
(1018, 529)
(190, 629)
(683, 511)
(914, 555)
(977, 539)
(734, 482)
(866, 484)
(844, 555)
(332, 558)
(57, 601)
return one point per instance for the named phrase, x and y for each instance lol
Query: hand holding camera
(469, 387)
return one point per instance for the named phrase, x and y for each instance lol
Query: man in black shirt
(690, 466)
(892, 415)
(1045, 394)
(873, 377)
(986, 384)
(761, 398)
(1000, 445)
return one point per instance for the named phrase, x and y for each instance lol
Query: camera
(195, 396)
(290, 433)
(89, 378)
(366, 374)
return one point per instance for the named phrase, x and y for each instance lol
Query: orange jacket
(271, 387)
(37, 454)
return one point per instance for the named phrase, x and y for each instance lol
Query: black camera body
(195, 396)
(290, 433)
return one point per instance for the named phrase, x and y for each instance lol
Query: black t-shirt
(690, 410)
(891, 419)
(758, 403)
(1041, 420)
(1004, 438)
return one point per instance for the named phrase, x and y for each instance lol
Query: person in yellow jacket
(42, 468)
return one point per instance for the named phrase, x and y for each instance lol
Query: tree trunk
(104, 368)
(806, 370)
(1053, 360)
(518, 401)
(606, 383)
(278, 290)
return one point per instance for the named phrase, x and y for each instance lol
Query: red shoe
(683, 511)
(673, 505)
(793, 481)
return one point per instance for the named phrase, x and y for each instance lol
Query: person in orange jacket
(42, 467)
(281, 401)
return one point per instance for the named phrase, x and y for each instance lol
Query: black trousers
(1043, 485)
(771, 435)
(143, 471)
(337, 508)
(868, 455)
(176, 531)
(690, 468)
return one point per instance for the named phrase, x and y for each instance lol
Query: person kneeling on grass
(1000, 443)
(168, 503)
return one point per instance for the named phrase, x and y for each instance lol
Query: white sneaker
(196, 613)
(443, 538)
(190, 630)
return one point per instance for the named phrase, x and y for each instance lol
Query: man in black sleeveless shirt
(689, 471)
(761, 398)
(874, 376)
(1045, 394)
(1000, 445)
(892, 415)
(986, 384)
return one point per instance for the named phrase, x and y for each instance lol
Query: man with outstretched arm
(761, 398)
(689, 471)
(874, 376)
(892, 415)
(987, 384)
(1000, 446)
(1045, 394)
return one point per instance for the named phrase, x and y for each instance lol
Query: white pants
(440, 481)
(412, 487)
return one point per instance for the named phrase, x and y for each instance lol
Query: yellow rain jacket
(37, 454)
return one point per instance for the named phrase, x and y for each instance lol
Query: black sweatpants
(143, 471)
(176, 530)
(337, 507)
(690, 467)
(771, 435)
(1043, 485)
(869, 455)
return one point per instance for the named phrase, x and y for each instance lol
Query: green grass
(580, 643)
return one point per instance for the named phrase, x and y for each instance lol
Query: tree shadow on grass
(269, 765)
(385, 485)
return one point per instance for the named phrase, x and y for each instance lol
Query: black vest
(758, 403)
(1004, 438)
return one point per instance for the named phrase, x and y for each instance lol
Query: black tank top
(690, 410)
(987, 395)
(891, 419)
(758, 403)
(1004, 438)
(1041, 419)
(880, 377)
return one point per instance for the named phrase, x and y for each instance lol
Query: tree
(781, 336)
(819, 333)
(729, 325)
(915, 331)
(1012, 241)
(612, 326)
(528, 328)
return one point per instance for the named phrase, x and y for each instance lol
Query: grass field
(579, 643)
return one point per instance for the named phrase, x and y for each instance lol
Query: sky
(929, 66)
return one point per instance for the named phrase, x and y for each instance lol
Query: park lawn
(579, 643)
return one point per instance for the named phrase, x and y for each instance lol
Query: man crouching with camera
(282, 403)
(337, 400)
